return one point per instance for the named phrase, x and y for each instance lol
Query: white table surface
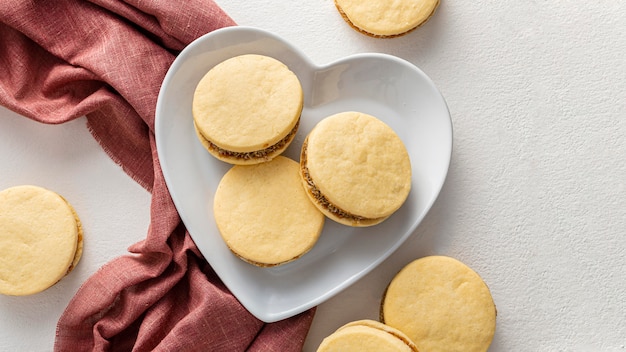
(535, 199)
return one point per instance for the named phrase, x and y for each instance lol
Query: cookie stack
(437, 302)
(247, 109)
(355, 168)
(246, 112)
(269, 209)
(41, 239)
(386, 19)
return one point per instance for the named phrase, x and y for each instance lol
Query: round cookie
(41, 239)
(355, 169)
(386, 19)
(263, 213)
(247, 109)
(442, 305)
(367, 335)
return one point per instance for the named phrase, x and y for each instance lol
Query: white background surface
(535, 200)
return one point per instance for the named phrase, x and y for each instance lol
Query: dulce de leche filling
(257, 154)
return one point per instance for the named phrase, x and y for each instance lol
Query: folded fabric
(106, 59)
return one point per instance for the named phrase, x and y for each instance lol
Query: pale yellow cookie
(367, 335)
(355, 168)
(263, 213)
(384, 18)
(442, 305)
(41, 239)
(247, 109)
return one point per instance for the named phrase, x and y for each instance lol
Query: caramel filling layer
(257, 154)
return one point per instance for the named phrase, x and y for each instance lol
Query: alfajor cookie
(263, 214)
(41, 239)
(246, 109)
(386, 19)
(442, 305)
(355, 169)
(367, 335)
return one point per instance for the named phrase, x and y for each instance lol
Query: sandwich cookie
(263, 214)
(367, 335)
(442, 305)
(41, 239)
(355, 169)
(246, 109)
(384, 18)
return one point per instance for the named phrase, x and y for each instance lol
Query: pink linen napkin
(106, 59)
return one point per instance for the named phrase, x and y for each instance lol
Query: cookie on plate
(367, 335)
(246, 109)
(41, 239)
(386, 19)
(263, 213)
(355, 169)
(442, 305)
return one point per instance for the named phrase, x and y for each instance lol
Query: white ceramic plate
(381, 85)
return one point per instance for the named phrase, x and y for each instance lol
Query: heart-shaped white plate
(385, 86)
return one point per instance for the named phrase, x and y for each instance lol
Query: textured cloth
(105, 60)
